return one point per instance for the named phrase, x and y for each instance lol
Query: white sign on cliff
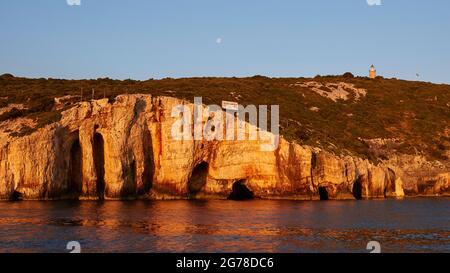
(229, 105)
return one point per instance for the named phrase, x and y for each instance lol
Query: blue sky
(144, 39)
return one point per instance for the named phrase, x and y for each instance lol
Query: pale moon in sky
(219, 40)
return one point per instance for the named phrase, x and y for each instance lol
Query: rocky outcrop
(125, 149)
(334, 91)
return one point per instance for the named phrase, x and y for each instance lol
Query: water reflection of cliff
(417, 225)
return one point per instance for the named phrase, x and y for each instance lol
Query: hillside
(373, 119)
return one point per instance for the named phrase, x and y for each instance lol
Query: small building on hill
(372, 72)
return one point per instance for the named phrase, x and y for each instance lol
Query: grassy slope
(417, 113)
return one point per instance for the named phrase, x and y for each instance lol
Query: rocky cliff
(124, 149)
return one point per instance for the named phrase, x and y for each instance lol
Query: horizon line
(214, 77)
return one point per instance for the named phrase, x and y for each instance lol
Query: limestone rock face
(126, 149)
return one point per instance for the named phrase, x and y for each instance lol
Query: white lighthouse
(372, 72)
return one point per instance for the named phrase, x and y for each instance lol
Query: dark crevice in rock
(75, 170)
(149, 164)
(241, 192)
(129, 188)
(323, 193)
(313, 166)
(390, 182)
(357, 189)
(198, 179)
(99, 161)
(16, 196)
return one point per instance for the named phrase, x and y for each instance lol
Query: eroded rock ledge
(125, 150)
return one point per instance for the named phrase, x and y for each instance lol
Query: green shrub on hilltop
(6, 76)
(348, 75)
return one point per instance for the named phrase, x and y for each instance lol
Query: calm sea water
(410, 225)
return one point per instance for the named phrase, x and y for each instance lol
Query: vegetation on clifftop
(415, 116)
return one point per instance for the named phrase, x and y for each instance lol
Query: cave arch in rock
(75, 170)
(240, 191)
(99, 161)
(129, 189)
(198, 178)
(16, 196)
(149, 164)
(357, 189)
(390, 185)
(323, 193)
